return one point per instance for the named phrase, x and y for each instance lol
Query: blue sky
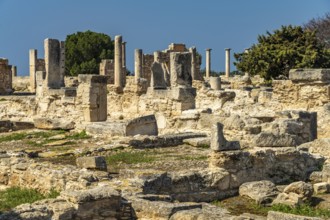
(149, 24)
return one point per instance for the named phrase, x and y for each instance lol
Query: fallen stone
(290, 199)
(57, 143)
(198, 142)
(304, 190)
(321, 188)
(284, 216)
(309, 75)
(53, 124)
(95, 163)
(262, 192)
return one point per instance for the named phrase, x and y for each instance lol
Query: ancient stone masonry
(195, 64)
(14, 71)
(306, 88)
(138, 60)
(119, 77)
(107, 69)
(5, 77)
(94, 99)
(54, 52)
(35, 65)
(208, 62)
(227, 62)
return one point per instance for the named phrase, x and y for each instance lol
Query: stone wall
(306, 89)
(21, 84)
(5, 77)
(107, 68)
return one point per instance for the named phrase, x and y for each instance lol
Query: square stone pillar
(180, 69)
(5, 77)
(93, 92)
(54, 79)
(107, 69)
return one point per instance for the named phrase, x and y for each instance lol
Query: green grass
(130, 158)
(78, 136)
(192, 157)
(248, 205)
(13, 137)
(15, 196)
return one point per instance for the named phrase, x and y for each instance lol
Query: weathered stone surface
(309, 75)
(284, 216)
(215, 83)
(144, 125)
(157, 76)
(277, 164)
(261, 191)
(218, 141)
(290, 199)
(95, 163)
(198, 142)
(53, 124)
(304, 190)
(180, 69)
(321, 188)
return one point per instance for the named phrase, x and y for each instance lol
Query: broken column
(118, 62)
(138, 56)
(215, 82)
(227, 62)
(107, 69)
(54, 79)
(181, 81)
(208, 62)
(194, 70)
(157, 76)
(5, 77)
(33, 63)
(14, 71)
(219, 142)
(93, 91)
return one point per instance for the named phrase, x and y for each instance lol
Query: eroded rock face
(93, 163)
(277, 164)
(284, 216)
(261, 191)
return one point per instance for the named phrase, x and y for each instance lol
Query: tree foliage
(276, 53)
(322, 28)
(85, 50)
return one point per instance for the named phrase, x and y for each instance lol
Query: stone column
(32, 70)
(14, 71)
(123, 49)
(247, 51)
(118, 62)
(138, 56)
(194, 76)
(215, 83)
(227, 62)
(208, 62)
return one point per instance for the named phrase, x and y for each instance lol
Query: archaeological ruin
(216, 137)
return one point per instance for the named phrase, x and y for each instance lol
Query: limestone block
(321, 188)
(290, 199)
(261, 191)
(53, 123)
(145, 125)
(309, 75)
(304, 190)
(183, 94)
(95, 163)
(198, 142)
(157, 76)
(285, 216)
(180, 69)
(54, 79)
(218, 141)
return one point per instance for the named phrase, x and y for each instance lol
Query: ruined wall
(5, 77)
(107, 68)
(148, 59)
(300, 95)
(21, 83)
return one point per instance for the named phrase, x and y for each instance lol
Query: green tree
(85, 50)
(276, 53)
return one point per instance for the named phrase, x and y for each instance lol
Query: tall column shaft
(32, 69)
(14, 71)
(138, 56)
(118, 61)
(192, 50)
(208, 63)
(227, 62)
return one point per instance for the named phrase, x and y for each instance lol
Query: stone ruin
(256, 134)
